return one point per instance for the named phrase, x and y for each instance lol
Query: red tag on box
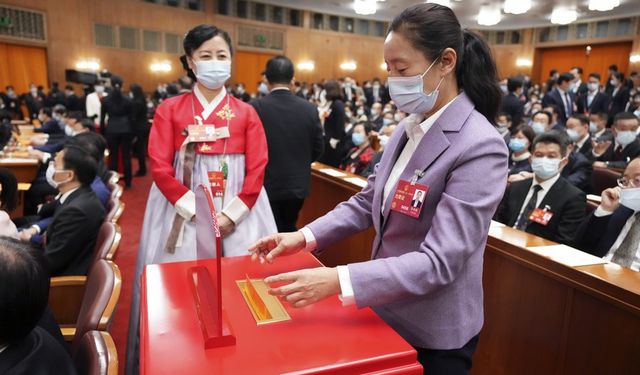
(216, 181)
(409, 199)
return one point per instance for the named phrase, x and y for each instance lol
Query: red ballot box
(324, 338)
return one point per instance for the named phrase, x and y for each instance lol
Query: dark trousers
(448, 362)
(286, 213)
(117, 143)
(140, 150)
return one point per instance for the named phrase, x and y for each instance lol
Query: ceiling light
(161, 67)
(489, 15)
(634, 59)
(88, 65)
(517, 6)
(603, 5)
(563, 16)
(445, 3)
(306, 65)
(523, 62)
(365, 7)
(348, 65)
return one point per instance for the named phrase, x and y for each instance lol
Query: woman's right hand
(277, 245)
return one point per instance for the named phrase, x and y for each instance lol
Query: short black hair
(9, 193)
(368, 127)
(87, 124)
(580, 117)
(595, 75)
(549, 115)
(93, 143)
(554, 109)
(551, 137)
(514, 83)
(81, 162)
(60, 109)
(196, 37)
(579, 69)
(604, 116)
(526, 131)
(24, 276)
(332, 89)
(279, 69)
(613, 67)
(565, 77)
(553, 72)
(625, 116)
(505, 115)
(618, 75)
(46, 111)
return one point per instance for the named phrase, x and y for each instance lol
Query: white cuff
(37, 228)
(346, 295)
(599, 212)
(236, 210)
(309, 238)
(186, 205)
(45, 157)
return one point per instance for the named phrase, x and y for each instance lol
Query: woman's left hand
(225, 224)
(306, 286)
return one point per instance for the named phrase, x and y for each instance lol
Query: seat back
(101, 294)
(116, 208)
(96, 354)
(591, 206)
(104, 241)
(602, 179)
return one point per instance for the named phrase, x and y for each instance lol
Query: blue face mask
(408, 93)
(545, 168)
(538, 127)
(517, 145)
(625, 137)
(593, 127)
(386, 121)
(357, 138)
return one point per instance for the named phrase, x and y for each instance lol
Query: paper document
(567, 255)
(332, 172)
(356, 181)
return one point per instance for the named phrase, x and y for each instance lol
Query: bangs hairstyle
(195, 38)
(431, 28)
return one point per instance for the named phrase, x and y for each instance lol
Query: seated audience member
(520, 146)
(71, 236)
(361, 154)
(533, 109)
(578, 169)
(49, 125)
(612, 231)
(634, 104)
(578, 131)
(385, 135)
(625, 147)
(594, 101)
(598, 127)
(387, 119)
(555, 124)
(5, 128)
(503, 125)
(26, 348)
(542, 122)
(8, 202)
(376, 116)
(546, 205)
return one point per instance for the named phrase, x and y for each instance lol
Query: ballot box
(325, 337)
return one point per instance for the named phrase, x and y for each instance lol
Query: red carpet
(130, 223)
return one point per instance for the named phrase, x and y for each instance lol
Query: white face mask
(625, 137)
(574, 135)
(593, 86)
(51, 171)
(41, 118)
(384, 139)
(99, 89)
(212, 73)
(408, 93)
(630, 197)
(68, 130)
(545, 168)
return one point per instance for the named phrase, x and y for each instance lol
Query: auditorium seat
(107, 242)
(116, 208)
(96, 354)
(603, 178)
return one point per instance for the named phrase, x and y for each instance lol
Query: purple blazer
(425, 275)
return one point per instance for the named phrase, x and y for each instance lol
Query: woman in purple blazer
(425, 273)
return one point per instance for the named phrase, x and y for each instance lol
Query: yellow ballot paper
(264, 307)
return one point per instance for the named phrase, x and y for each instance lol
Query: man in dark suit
(578, 88)
(49, 125)
(579, 167)
(613, 229)
(625, 147)
(377, 120)
(546, 205)
(578, 131)
(561, 98)
(593, 100)
(377, 93)
(72, 234)
(34, 101)
(294, 136)
(26, 348)
(71, 100)
(511, 103)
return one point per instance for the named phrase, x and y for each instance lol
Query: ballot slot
(265, 308)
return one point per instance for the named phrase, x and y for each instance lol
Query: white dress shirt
(581, 142)
(635, 265)
(415, 132)
(545, 185)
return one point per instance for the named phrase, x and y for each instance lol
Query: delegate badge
(409, 199)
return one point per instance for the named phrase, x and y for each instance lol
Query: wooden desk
(24, 169)
(541, 317)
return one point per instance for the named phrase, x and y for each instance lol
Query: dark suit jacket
(50, 127)
(587, 149)
(383, 94)
(34, 104)
(120, 115)
(578, 171)
(618, 102)
(516, 167)
(629, 153)
(334, 128)
(565, 201)
(599, 104)
(514, 107)
(73, 103)
(72, 234)
(596, 235)
(36, 354)
(554, 98)
(294, 136)
(377, 122)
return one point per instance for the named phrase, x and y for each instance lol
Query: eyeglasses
(624, 182)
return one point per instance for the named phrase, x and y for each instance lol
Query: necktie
(523, 221)
(617, 155)
(626, 252)
(568, 106)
